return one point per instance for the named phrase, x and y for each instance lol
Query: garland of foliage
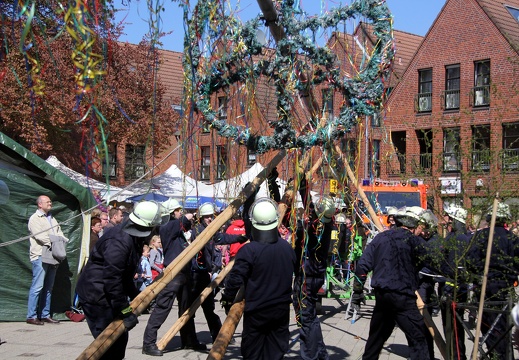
(363, 93)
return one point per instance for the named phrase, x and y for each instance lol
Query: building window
(222, 107)
(221, 158)
(110, 162)
(374, 159)
(396, 162)
(424, 97)
(481, 91)
(205, 165)
(375, 120)
(481, 148)
(327, 95)
(135, 164)
(510, 153)
(451, 150)
(251, 157)
(423, 162)
(514, 12)
(452, 87)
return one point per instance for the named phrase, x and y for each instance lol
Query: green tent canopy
(27, 176)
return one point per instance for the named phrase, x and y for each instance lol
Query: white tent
(231, 188)
(106, 192)
(173, 183)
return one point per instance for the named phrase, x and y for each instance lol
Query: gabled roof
(405, 44)
(503, 19)
(171, 75)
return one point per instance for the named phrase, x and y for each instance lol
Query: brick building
(453, 119)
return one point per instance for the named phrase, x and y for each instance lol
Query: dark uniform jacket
(173, 240)
(395, 257)
(204, 260)
(504, 259)
(266, 271)
(312, 247)
(107, 278)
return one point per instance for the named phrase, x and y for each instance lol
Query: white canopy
(106, 191)
(173, 183)
(231, 188)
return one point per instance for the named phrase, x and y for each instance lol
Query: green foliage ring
(363, 92)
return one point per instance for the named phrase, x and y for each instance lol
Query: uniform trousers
(200, 281)
(392, 308)
(312, 345)
(98, 317)
(178, 287)
(265, 333)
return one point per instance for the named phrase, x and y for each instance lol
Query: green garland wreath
(364, 92)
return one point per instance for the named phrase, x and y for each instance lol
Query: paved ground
(67, 340)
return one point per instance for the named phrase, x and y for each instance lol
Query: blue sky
(414, 16)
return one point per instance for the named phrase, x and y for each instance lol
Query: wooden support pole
(431, 326)
(485, 277)
(99, 346)
(228, 328)
(361, 193)
(192, 309)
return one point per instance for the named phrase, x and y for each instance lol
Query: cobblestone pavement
(67, 340)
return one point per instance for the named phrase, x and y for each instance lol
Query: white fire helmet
(325, 209)
(171, 205)
(149, 214)
(456, 212)
(264, 214)
(206, 209)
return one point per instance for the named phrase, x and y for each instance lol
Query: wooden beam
(192, 309)
(485, 277)
(361, 193)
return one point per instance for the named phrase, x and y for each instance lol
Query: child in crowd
(142, 277)
(156, 256)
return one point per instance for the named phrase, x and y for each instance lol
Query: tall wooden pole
(361, 193)
(485, 277)
(192, 309)
(99, 346)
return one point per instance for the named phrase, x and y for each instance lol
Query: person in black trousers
(202, 267)
(502, 274)
(395, 256)
(313, 237)
(264, 268)
(174, 242)
(106, 282)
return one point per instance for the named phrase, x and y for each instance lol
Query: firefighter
(106, 283)
(264, 268)
(427, 279)
(502, 273)
(313, 238)
(395, 256)
(451, 264)
(202, 267)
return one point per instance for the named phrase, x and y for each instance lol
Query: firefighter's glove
(129, 318)
(242, 239)
(226, 302)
